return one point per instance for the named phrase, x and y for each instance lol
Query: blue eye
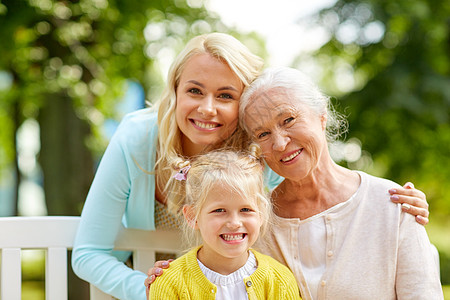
(194, 91)
(288, 120)
(246, 209)
(226, 96)
(261, 135)
(219, 210)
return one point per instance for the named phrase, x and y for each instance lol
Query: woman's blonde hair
(241, 61)
(240, 172)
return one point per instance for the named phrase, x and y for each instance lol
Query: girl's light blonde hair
(241, 172)
(241, 61)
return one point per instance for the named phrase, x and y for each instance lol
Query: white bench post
(56, 274)
(11, 275)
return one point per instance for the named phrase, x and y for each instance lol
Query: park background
(70, 70)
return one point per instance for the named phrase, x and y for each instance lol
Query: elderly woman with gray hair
(334, 227)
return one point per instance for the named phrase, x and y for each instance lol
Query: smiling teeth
(232, 237)
(290, 157)
(205, 125)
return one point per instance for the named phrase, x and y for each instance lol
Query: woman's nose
(280, 141)
(207, 107)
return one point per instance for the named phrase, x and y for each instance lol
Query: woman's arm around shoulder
(413, 202)
(93, 258)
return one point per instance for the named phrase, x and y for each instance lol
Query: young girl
(225, 204)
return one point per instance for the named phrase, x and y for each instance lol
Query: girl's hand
(413, 201)
(152, 273)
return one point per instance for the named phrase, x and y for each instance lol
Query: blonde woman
(198, 112)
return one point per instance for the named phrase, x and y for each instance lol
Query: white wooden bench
(55, 235)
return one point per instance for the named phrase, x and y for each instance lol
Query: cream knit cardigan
(373, 249)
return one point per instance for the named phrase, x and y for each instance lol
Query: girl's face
(208, 96)
(229, 225)
(290, 134)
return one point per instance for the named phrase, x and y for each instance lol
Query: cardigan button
(249, 283)
(212, 291)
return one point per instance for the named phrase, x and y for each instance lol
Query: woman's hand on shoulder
(154, 272)
(413, 201)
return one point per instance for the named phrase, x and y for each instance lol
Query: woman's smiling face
(290, 134)
(208, 96)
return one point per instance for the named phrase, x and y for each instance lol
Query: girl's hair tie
(255, 151)
(181, 175)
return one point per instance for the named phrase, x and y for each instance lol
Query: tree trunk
(66, 162)
(18, 177)
(67, 165)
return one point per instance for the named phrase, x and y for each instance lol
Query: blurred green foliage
(66, 64)
(85, 49)
(388, 63)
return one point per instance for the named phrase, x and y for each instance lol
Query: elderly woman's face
(291, 135)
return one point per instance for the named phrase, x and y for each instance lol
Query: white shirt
(313, 234)
(231, 286)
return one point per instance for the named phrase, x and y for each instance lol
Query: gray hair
(295, 83)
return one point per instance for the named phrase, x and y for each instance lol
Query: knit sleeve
(417, 273)
(275, 280)
(162, 290)
(287, 281)
(292, 290)
(171, 284)
(93, 258)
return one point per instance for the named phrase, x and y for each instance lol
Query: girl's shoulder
(278, 276)
(185, 263)
(183, 271)
(266, 261)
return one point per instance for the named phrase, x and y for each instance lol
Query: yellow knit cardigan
(185, 280)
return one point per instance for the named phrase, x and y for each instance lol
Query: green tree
(389, 65)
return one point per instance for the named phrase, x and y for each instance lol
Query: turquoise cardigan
(121, 193)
